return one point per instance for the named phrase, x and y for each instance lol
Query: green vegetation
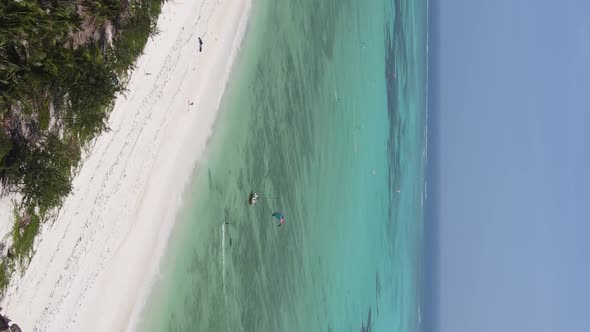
(25, 228)
(5, 273)
(59, 75)
(136, 31)
(103, 10)
(5, 145)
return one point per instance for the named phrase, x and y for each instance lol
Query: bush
(24, 230)
(4, 275)
(45, 175)
(90, 99)
(135, 32)
(5, 145)
(103, 10)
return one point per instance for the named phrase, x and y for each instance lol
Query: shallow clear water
(324, 117)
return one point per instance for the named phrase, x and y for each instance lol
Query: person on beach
(200, 45)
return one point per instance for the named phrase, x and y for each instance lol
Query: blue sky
(510, 176)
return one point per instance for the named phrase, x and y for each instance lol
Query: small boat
(252, 198)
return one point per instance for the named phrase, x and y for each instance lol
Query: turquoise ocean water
(325, 117)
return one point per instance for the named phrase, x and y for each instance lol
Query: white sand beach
(94, 264)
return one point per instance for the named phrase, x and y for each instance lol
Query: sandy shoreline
(94, 265)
